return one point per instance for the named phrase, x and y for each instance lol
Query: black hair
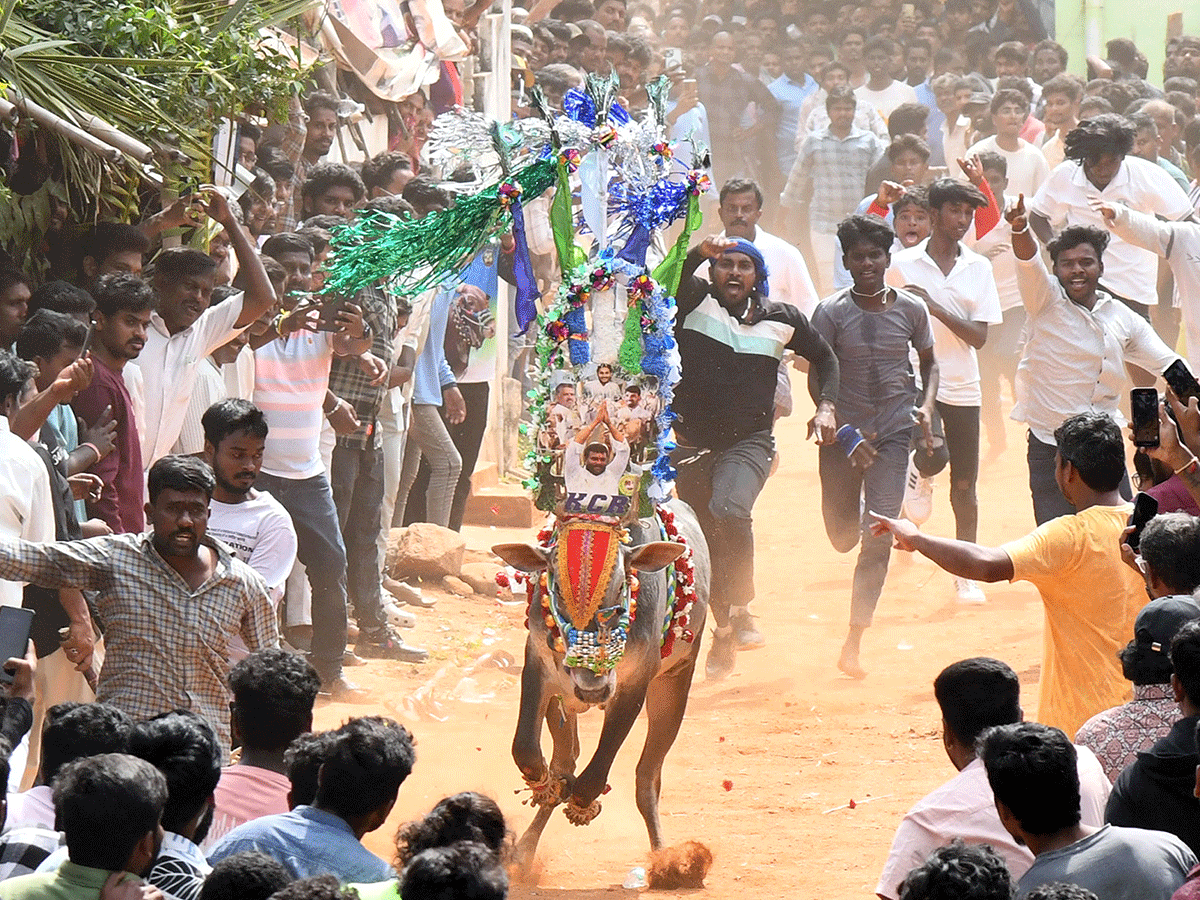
(320, 100)
(1181, 83)
(120, 292)
(907, 118)
(319, 236)
(617, 42)
(1076, 235)
(179, 473)
(462, 871)
(14, 375)
(990, 159)
(1173, 554)
(1008, 95)
(1060, 890)
(959, 871)
(1014, 50)
(1091, 442)
(304, 758)
(919, 43)
(1032, 770)
(62, 297)
(467, 816)
(1102, 135)
(1064, 84)
(323, 176)
(639, 51)
(369, 760)
(842, 94)
(185, 748)
(45, 332)
(105, 805)
(423, 193)
(1185, 659)
(951, 190)
(287, 242)
(741, 186)
(261, 188)
(391, 205)
(5, 751)
(879, 42)
(574, 10)
(976, 694)
(77, 730)
(223, 292)
(276, 273)
(914, 196)
(182, 262)
(907, 143)
(272, 161)
(249, 875)
(318, 887)
(108, 238)
(379, 170)
(1059, 50)
(865, 229)
(249, 130)
(832, 66)
(1142, 666)
(232, 415)
(273, 695)
(10, 276)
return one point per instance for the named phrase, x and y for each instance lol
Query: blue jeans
(356, 477)
(721, 487)
(309, 501)
(848, 493)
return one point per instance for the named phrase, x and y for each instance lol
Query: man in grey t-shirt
(1031, 769)
(872, 329)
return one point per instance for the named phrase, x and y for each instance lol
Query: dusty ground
(797, 741)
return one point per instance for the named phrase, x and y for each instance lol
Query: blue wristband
(849, 437)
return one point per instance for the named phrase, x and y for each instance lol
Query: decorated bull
(615, 618)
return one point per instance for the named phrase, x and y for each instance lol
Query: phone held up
(1145, 508)
(1143, 407)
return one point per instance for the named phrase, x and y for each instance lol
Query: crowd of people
(201, 454)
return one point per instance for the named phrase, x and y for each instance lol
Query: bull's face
(588, 596)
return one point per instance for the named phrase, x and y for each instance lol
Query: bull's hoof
(546, 791)
(578, 814)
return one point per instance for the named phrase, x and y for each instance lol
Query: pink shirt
(245, 793)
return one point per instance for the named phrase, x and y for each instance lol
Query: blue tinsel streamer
(526, 282)
(579, 107)
(580, 349)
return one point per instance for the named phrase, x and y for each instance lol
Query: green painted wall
(1143, 21)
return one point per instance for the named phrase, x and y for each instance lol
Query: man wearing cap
(1171, 568)
(731, 338)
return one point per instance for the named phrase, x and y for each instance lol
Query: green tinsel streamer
(562, 224)
(630, 354)
(670, 270)
(657, 91)
(602, 89)
(414, 256)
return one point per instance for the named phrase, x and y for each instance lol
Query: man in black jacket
(731, 339)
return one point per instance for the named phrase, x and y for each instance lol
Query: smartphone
(1145, 508)
(15, 623)
(327, 318)
(1182, 381)
(1143, 406)
(672, 58)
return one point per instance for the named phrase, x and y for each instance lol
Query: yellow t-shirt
(1091, 599)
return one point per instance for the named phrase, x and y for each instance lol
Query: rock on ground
(481, 576)
(424, 550)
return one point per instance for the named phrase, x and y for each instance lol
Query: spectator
(110, 809)
(1084, 631)
(881, 90)
(148, 590)
(1157, 791)
(1119, 734)
(331, 189)
(814, 117)
(386, 174)
(1027, 168)
(464, 869)
(973, 696)
(245, 876)
(958, 871)
(1061, 96)
(112, 248)
(951, 93)
(63, 297)
(791, 89)
(1032, 771)
(273, 696)
(304, 758)
(359, 781)
(310, 135)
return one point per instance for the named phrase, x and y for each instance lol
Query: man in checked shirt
(169, 600)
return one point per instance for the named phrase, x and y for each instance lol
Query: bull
(591, 644)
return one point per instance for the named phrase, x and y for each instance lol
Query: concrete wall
(1143, 21)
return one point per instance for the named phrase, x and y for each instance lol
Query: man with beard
(310, 136)
(731, 339)
(109, 808)
(171, 599)
(251, 523)
(592, 471)
(124, 304)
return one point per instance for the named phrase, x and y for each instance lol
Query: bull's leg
(619, 716)
(563, 730)
(527, 742)
(666, 700)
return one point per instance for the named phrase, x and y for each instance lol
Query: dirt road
(769, 760)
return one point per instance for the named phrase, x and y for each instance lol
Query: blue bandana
(741, 245)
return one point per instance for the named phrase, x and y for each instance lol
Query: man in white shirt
(951, 93)
(593, 472)
(252, 524)
(958, 287)
(184, 329)
(564, 418)
(1027, 167)
(1078, 339)
(26, 507)
(601, 389)
(1099, 166)
(633, 420)
(974, 695)
(882, 91)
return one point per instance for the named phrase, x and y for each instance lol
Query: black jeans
(721, 487)
(356, 476)
(1048, 501)
(309, 501)
(960, 424)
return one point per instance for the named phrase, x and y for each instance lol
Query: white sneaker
(399, 617)
(918, 494)
(968, 591)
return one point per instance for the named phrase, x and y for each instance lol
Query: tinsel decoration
(670, 270)
(657, 90)
(602, 90)
(414, 256)
(562, 223)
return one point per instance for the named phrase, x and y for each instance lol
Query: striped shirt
(291, 376)
(166, 645)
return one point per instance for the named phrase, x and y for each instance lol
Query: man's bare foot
(848, 663)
